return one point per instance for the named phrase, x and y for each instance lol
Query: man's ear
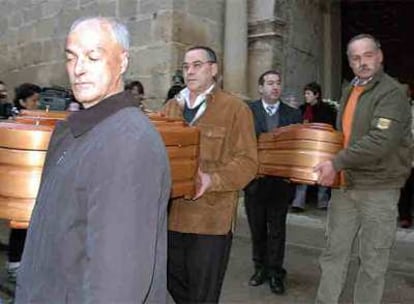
(260, 89)
(214, 69)
(124, 61)
(381, 56)
(22, 103)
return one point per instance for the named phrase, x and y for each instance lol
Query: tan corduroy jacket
(228, 152)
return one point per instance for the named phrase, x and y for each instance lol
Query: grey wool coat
(98, 232)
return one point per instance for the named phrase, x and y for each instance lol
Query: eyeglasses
(196, 65)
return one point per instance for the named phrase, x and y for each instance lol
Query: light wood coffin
(39, 117)
(23, 147)
(293, 151)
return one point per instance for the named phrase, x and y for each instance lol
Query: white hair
(119, 29)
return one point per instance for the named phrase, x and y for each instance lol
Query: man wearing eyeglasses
(200, 230)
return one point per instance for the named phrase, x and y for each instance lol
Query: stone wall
(288, 35)
(291, 36)
(32, 37)
(304, 45)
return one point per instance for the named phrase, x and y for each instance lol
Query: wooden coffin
(23, 147)
(293, 151)
(39, 117)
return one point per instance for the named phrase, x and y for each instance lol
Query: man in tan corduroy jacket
(200, 230)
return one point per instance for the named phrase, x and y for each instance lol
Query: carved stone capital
(266, 28)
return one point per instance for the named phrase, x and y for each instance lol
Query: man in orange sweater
(375, 118)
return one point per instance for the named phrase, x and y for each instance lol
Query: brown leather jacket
(228, 152)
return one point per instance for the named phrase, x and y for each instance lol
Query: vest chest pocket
(212, 142)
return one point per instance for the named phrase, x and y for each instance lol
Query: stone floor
(304, 242)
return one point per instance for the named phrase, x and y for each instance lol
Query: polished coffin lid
(294, 150)
(39, 117)
(23, 147)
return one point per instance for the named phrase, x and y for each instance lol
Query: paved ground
(303, 277)
(305, 239)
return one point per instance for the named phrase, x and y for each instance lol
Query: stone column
(235, 47)
(332, 51)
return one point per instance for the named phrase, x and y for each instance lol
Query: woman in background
(314, 110)
(26, 97)
(137, 90)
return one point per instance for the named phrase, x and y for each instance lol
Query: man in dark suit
(267, 198)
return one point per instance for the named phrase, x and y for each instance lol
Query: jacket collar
(210, 97)
(84, 120)
(371, 82)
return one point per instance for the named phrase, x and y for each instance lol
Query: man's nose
(191, 69)
(79, 67)
(362, 62)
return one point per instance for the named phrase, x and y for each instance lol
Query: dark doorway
(392, 22)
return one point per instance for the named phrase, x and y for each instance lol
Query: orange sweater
(349, 113)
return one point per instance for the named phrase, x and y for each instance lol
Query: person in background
(406, 202)
(173, 91)
(267, 198)
(137, 90)
(177, 85)
(3, 92)
(375, 118)
(314, 110)
(98, 231)
(26, 97)
(5, 105)
(201, 230)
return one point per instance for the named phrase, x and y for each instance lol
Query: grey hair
(376, 42)
(119, 29)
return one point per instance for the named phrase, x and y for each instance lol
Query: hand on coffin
(326, 172)
(202, 184)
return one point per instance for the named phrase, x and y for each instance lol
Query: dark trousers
(267, 200)
(406, 201)
(16, 244)
(196, 266)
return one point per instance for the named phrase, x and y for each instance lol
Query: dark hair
(133, 84)
(211, 55)
(174, 90)
(1, 82)
(315, 88)
(24, 91)
(269, 72)
(363, 36)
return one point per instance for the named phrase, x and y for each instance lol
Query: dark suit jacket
(287, 116)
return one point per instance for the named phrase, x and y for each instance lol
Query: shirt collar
(82, 121)
(185, 95)
(275, 105)
(358, 82)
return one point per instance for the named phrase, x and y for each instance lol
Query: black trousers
(267, 201)
(406, 201)
(196, 266)
(17, 238)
